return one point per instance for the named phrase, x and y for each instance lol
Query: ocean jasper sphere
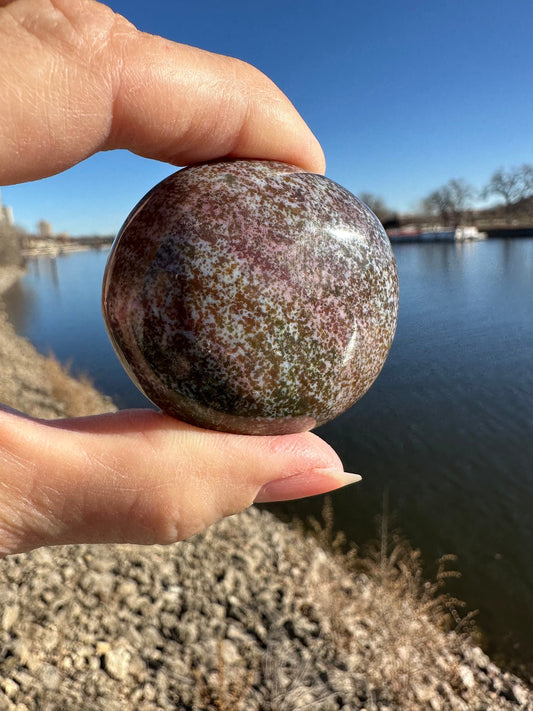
(251, 297)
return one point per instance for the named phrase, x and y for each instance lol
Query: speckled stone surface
(251, 296)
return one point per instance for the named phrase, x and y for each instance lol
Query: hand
(77, 79)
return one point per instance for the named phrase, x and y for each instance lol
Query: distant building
(44, 229)
(6, 214)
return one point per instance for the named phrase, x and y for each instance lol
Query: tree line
(513, 187)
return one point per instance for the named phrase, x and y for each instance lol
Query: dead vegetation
(422, 627)
(39, 386)
(77, 394)
(366, 632)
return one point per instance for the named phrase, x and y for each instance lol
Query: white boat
(469, 233)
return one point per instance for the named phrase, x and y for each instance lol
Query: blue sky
(403, 95)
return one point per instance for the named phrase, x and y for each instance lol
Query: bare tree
(461, 196)
(450, 202)
(526, 177)
(511, 185)
(377, 205)
(437, 205)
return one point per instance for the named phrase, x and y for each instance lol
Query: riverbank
(250, 615)
(56, 246)
(35, 384)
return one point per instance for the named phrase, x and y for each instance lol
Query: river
(445, 434)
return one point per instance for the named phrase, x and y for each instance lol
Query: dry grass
(412, 644)
(397, 567)
(225, 690)
(78, 395)
(379, 624)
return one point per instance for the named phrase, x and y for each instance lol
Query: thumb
(142, 477)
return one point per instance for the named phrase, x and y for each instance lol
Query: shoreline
(9, 275)
(399, 237)
(251, 609)
(53, 250)
(36, 384)
(54, 247)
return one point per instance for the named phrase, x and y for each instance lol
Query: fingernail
(317, 481)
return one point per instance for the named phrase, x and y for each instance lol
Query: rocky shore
(252, 615)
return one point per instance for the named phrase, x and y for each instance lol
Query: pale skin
(77, 79)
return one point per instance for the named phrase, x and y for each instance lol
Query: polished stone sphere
(251, 297)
